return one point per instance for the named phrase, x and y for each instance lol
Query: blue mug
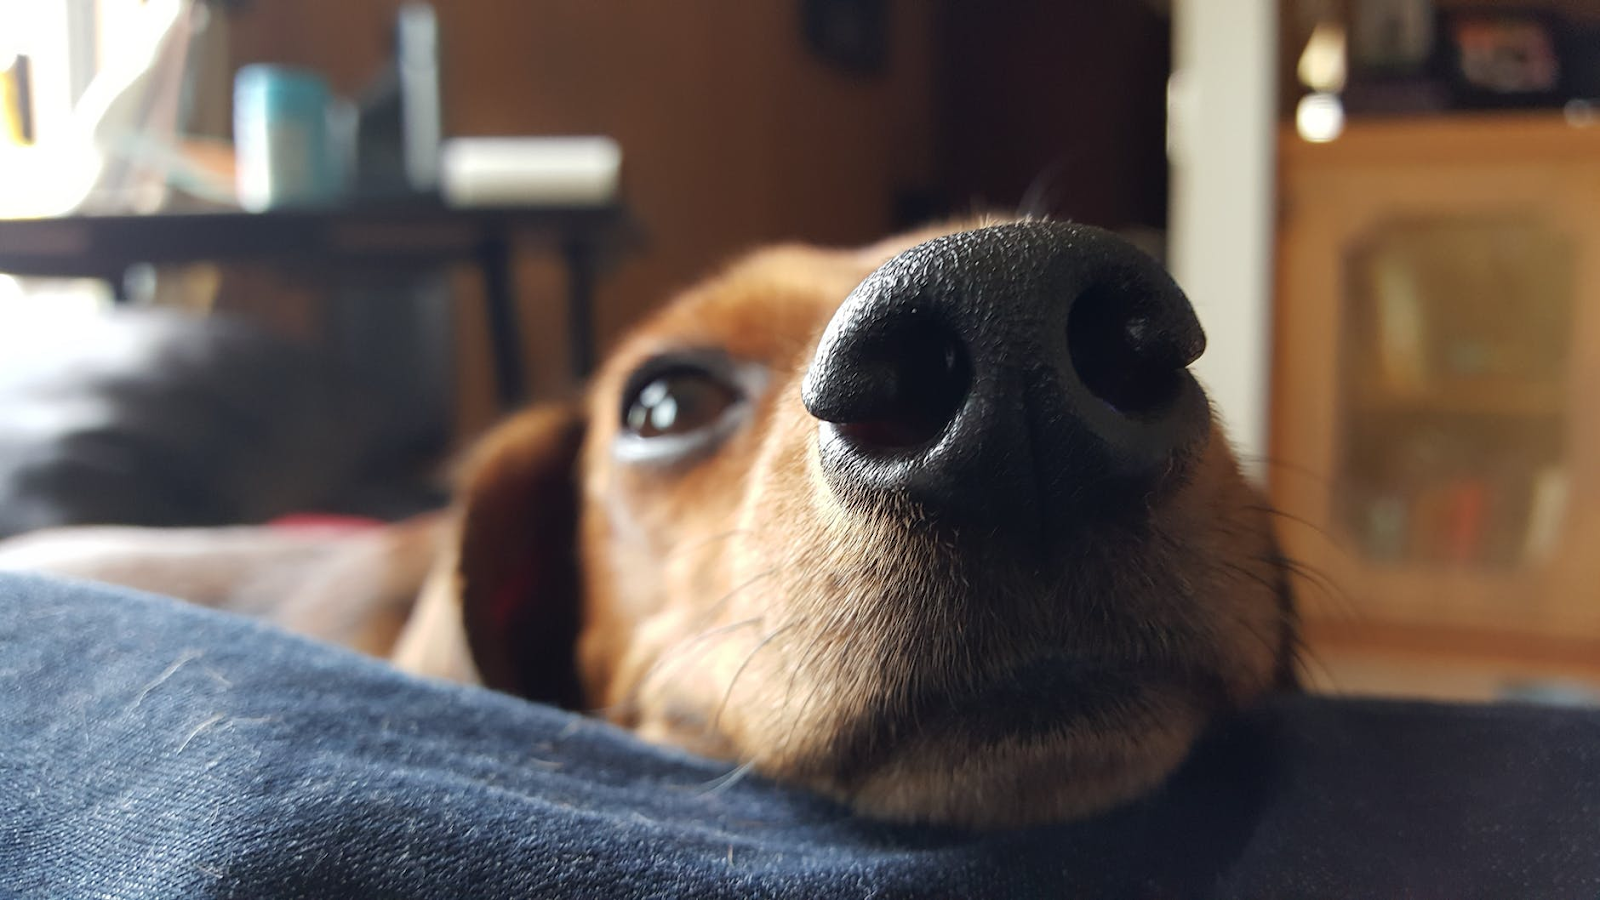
(287, 138)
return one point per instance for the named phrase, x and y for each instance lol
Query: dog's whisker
(805, 706)
(1321, 531)
(690, 546)
(716, 718)
(1256, 577)
(1277, 639)
(728, 779)
(804, 657)
(721, 602)
(677, 652)
(1285, 641)
(1306, 659)
(1303, 657)
(1322, 478)
(1039, 196)
(1324, 583)
(622, 710)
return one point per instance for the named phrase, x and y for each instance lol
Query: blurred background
(264, 258)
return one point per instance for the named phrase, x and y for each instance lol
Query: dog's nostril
(1120, 355)
(902, 391)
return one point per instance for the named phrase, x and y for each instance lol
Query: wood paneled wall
(1067, 99)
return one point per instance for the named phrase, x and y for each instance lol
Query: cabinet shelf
(1508, 399)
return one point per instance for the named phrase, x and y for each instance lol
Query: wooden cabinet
(1436, 401)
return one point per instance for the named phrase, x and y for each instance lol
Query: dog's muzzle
(1030, 375)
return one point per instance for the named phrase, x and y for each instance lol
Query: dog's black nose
(1033, 372)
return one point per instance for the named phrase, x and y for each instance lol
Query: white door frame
(1220, 143)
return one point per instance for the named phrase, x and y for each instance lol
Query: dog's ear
(516, 558)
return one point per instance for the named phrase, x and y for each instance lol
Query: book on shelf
(1546, 511)
(1463, 520)
(1402, 326)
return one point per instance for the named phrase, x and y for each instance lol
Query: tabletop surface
(410, 232)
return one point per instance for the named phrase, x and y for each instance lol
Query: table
(412, 234)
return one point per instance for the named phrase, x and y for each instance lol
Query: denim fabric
(148, 749)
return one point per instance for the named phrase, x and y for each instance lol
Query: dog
(941, 528)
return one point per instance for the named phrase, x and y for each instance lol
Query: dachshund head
(942, 528)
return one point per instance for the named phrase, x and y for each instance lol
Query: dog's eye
(680, 406)
(678, 402)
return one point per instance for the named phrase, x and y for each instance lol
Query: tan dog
(965, 547)
(959, 542)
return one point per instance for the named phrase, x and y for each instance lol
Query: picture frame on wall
(1503, 57)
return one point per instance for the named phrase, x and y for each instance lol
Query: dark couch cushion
(158, 750)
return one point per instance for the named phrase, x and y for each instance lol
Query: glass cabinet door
(1452, 390)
